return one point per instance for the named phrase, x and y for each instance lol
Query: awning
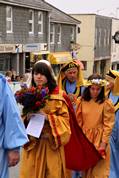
(37, 55)
(59, 57)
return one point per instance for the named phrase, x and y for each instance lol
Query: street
(14, 172)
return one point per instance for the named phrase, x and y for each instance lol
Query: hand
(13, 157)
(102, 149)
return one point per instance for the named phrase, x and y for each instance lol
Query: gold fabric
(80, 79)
(44, 157)
(115, 90)
(96, 121)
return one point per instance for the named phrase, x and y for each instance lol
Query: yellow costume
(113, 76)
(62, 79)
(44, 157)
(96, 121)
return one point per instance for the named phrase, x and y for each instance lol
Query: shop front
(34, 52)
(9, 57)
(58, 58)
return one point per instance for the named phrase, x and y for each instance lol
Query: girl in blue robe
(12, 131)
(113, 87)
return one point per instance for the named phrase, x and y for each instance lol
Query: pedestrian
(71, 81)
(8, 76)
(95, 115)
(43, 157)
(12, 131)
(113, 93)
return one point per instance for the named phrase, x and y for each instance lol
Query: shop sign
(35, 47)
(7, 48)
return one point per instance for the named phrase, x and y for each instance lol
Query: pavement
(14, 172)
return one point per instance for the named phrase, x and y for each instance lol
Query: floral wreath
(100, 82)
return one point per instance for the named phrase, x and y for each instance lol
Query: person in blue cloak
(12, 130)
(113, 93)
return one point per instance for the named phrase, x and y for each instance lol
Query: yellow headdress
(67, 66)
(114, 75)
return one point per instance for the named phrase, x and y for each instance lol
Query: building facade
(29, 30)
(95, 43)
(115, 46)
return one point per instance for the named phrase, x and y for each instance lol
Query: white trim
(59, 34)
(52, 33)
(72, 33)
(9, 19)
(40, 22)
(31, 21)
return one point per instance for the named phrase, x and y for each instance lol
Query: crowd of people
(88, 107)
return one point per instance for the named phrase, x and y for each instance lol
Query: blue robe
(12, 131)
(114, 141)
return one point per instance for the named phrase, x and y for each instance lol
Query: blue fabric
(114, 142)
(70, 87)
(12, 131)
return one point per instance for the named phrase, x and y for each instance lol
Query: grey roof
(61, 17)
(57, 15)
(35, 4)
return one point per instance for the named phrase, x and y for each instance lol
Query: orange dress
(44, 157)
(96, 121)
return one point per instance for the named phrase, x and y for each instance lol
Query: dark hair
(86, 94)
(44, 69)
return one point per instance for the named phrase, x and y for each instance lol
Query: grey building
(95, 42)
(29, 30)
(102, 49)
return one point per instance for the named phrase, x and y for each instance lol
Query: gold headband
(99, 82)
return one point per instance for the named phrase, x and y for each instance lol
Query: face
(110, 85)
(71, 74)
(95, 91)
(39, 79)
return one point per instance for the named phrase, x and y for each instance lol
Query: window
(72, 33)
(99, 38)
(31, 21)
(52, 33)
(105, 37)
(108, 37)
(9, 20)
(96, 37)
(40, 22)
(84, 64)
(59, 34)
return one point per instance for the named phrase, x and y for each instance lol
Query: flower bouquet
(32, 99)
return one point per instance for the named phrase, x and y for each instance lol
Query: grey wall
(20, 27)
(65, 38)
(103, 23)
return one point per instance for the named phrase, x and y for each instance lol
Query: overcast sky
(102, 7)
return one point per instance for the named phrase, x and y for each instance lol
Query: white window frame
(40, 22)
(9, 19)
(52, 33)
(31, 21)
(59, 35)
(72, 33)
